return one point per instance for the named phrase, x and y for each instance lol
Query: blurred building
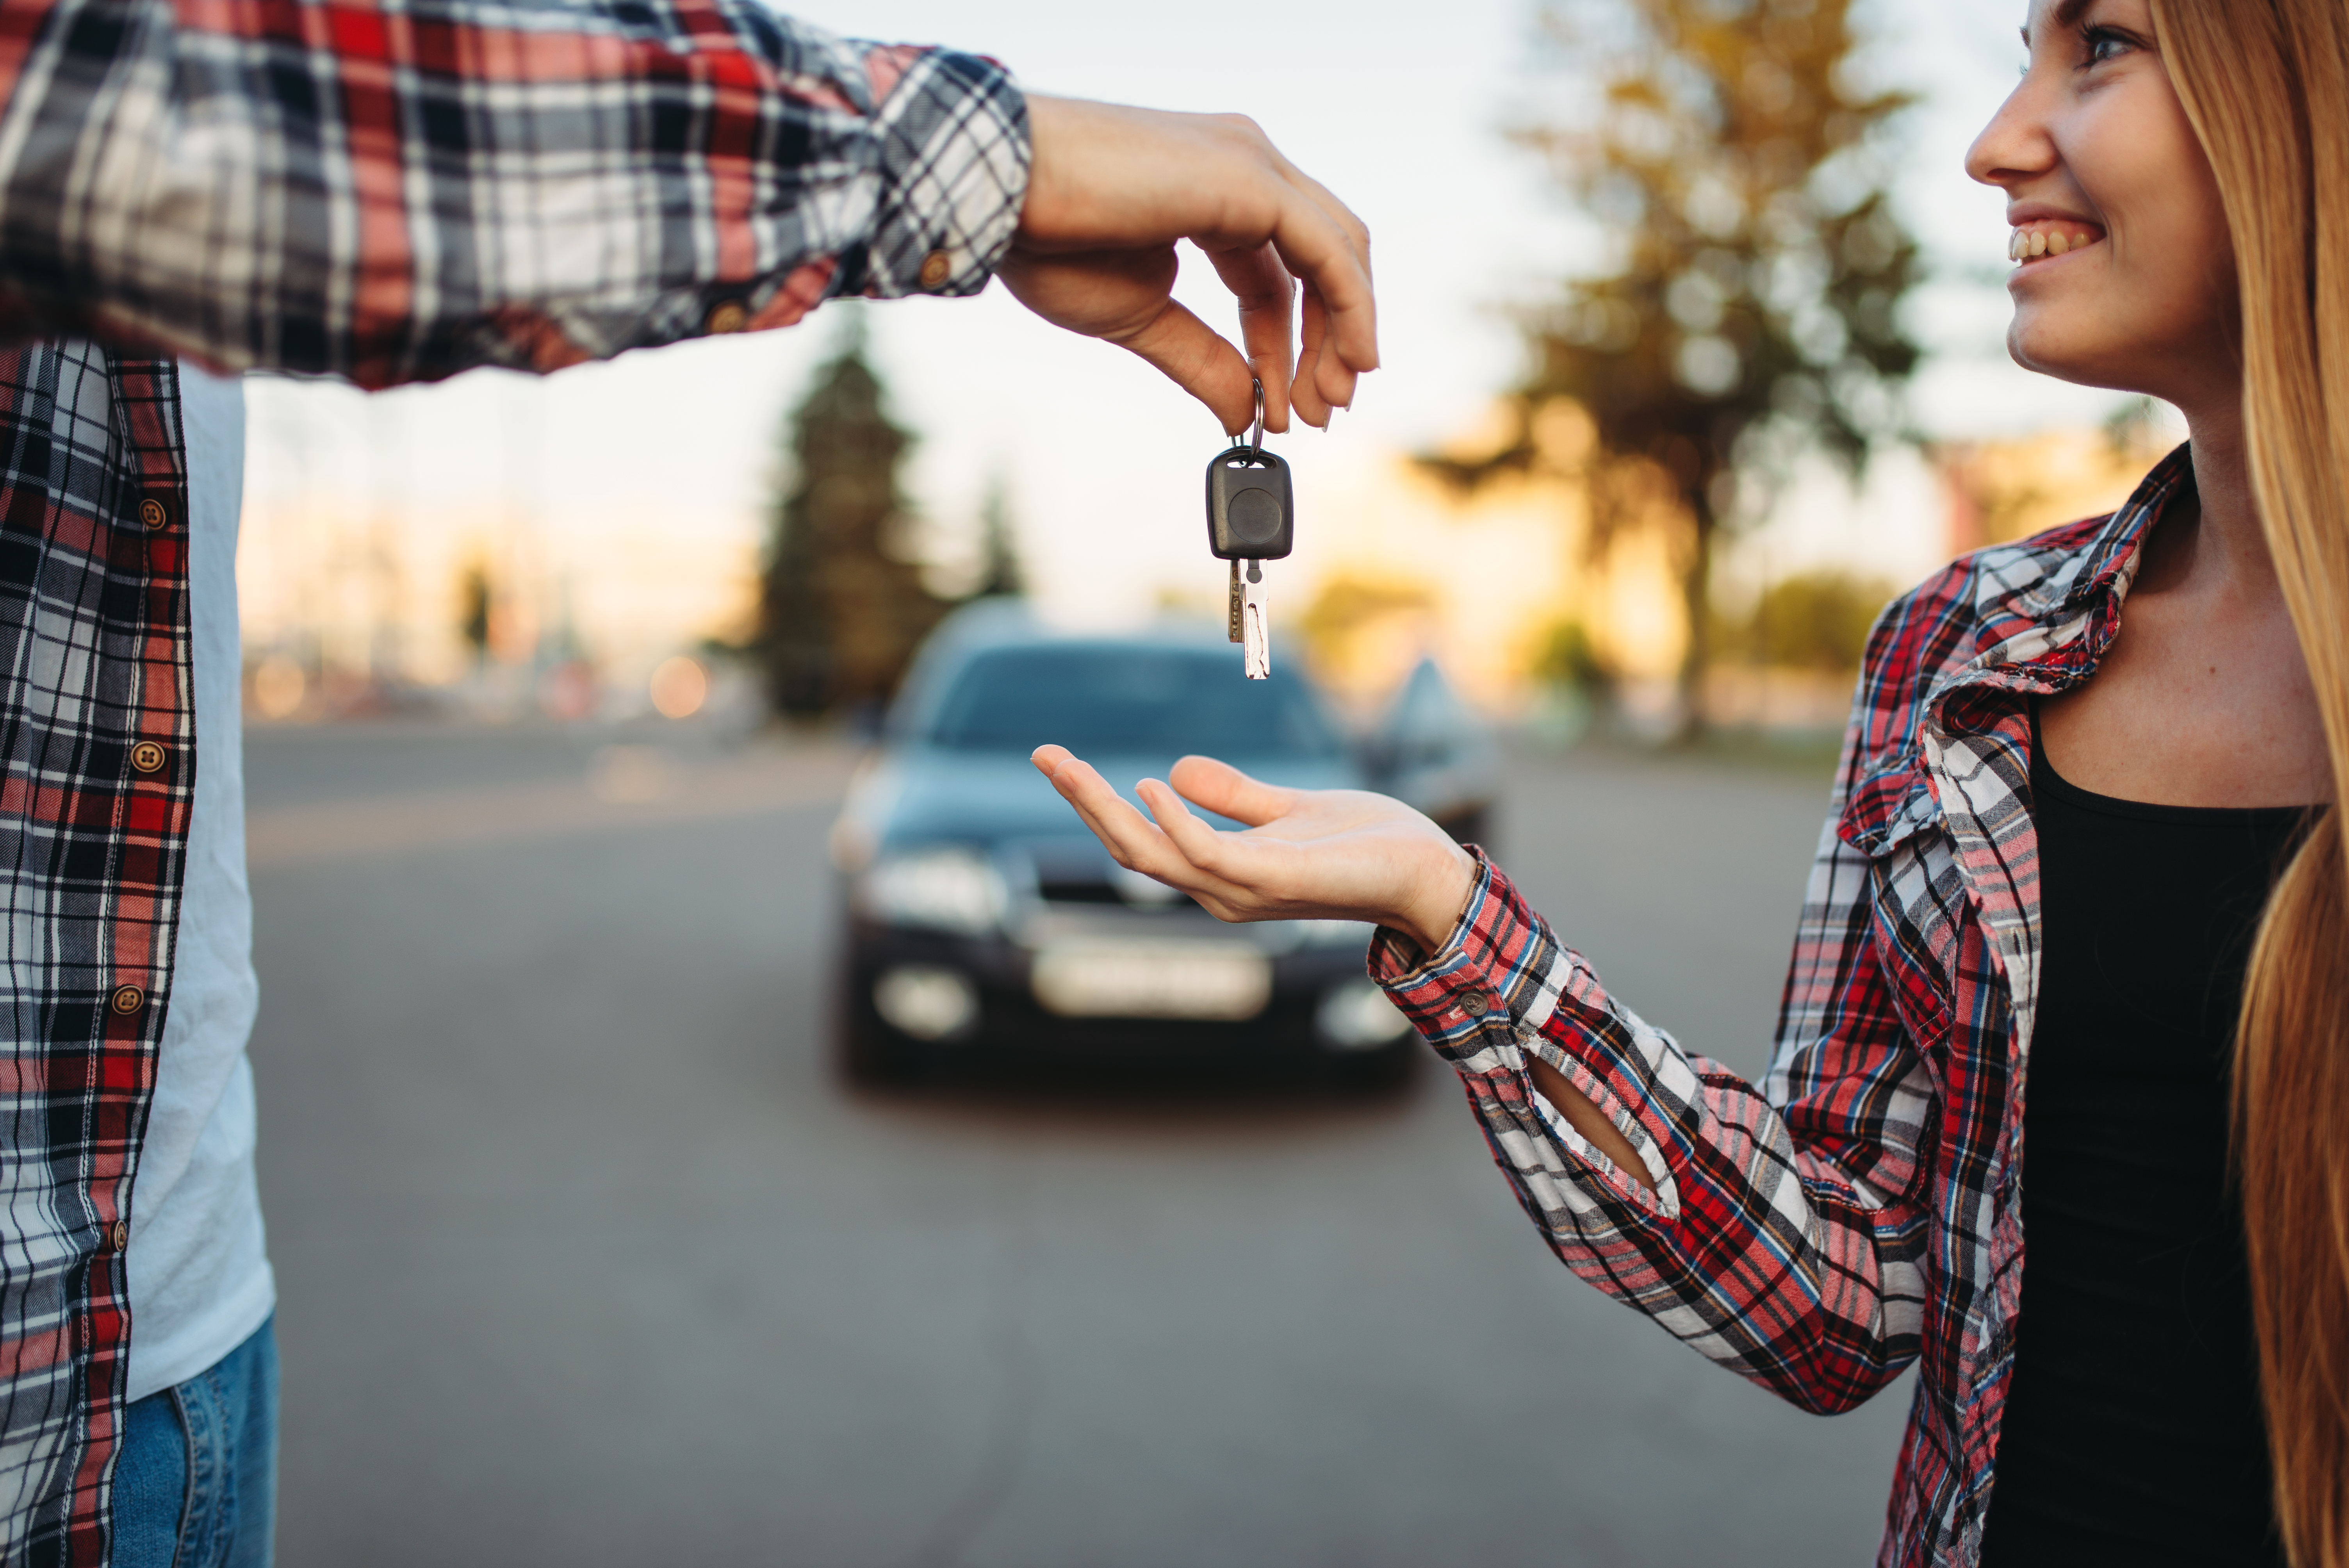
(2000, 491)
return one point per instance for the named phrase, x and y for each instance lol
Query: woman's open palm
(1305, 855)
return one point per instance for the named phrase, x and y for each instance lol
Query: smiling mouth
(2037, 242)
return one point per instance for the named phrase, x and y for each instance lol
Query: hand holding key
(1110, 193)
(1306, 854)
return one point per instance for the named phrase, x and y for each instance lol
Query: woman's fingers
(1216, 786)
(1205, 848)
(1127, 834)
(1137, 843)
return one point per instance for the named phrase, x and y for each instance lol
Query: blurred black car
(1432, 753)
(981, 917)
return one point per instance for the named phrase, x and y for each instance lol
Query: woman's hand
(1110, 190)
(1306, 854)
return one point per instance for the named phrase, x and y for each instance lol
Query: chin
(2044, 348)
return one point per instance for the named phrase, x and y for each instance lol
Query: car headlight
(944, 889)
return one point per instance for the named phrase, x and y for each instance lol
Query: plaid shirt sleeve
(395, 191)
(1785, 1234)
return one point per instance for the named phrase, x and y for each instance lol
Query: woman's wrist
(1439, 895)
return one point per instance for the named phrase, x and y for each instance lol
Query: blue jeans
(195, 1484)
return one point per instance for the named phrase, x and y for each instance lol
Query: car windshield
(1101, 699)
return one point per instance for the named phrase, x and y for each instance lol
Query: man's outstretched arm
(396, 193)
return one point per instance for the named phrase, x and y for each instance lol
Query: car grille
(1078, 893)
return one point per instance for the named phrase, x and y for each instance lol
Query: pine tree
(1750, 308)
(999, 572)
(841, 610)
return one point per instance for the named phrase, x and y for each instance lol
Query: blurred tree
(1749, 308)
(473, 611)
(999, 572)
(841, 610)
(1567, 657)
(1813, 620)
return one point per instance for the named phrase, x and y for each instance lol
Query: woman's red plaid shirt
(1858, 1210)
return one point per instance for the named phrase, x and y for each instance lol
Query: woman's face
(2124, 274)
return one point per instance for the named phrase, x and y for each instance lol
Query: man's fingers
(1266, 298)
(1197, 358)
(1219, 787)
(1305, 391)
(1328, 249)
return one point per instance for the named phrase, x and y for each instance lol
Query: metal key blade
(1232, 608)
(1255, 635)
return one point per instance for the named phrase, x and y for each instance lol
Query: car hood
(908, 794)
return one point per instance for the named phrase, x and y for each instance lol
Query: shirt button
(121, 1235)
(147, 757)
(155, 514)
(934, 268)
(127, 999)
(727, 315)
(1475, 1002)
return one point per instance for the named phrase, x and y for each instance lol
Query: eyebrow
(2065, 16)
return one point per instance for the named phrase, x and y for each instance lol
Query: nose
(2016, 146)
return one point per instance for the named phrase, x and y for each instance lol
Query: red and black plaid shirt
(389, 190)
(1858, 1210)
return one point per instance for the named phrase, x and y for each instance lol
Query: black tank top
(2133, 1432)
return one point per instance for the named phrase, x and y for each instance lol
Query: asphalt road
(585, 1258)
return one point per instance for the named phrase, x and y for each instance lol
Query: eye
(2100, 45)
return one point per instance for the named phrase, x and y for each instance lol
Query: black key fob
(1251, 511)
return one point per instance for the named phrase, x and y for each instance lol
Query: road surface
(585, 1258)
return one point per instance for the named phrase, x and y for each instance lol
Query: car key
(1251, 518)
(1255, 636)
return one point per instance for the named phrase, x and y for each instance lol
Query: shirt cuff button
(1476, 1004)
(936, 266)
(725, 317)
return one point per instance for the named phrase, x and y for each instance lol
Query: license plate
(1105, 979)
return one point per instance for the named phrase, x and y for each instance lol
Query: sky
(1400, 108)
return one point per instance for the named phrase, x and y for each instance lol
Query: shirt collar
(2108, 561)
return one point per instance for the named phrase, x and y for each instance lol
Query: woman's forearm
(1588, 1119)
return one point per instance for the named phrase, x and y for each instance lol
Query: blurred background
(654, 1158)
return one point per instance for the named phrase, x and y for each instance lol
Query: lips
(2043, 237)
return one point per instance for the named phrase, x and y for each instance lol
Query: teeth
(2026, 245)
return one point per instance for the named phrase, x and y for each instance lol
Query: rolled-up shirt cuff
(951, 137)
(1490, 998)
(1453, 990)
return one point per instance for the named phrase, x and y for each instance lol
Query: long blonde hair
(2266, 84)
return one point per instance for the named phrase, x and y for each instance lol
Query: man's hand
(1111, 189)
(1306, 854)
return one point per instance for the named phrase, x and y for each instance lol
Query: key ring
(1256, 438)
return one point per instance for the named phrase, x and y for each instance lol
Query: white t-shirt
(200, 1279)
